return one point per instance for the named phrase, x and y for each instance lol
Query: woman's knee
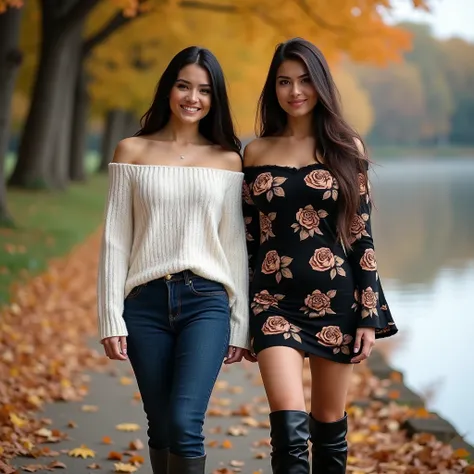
(281, 369)
(186, 437)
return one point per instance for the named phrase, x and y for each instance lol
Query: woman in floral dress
(315, 291)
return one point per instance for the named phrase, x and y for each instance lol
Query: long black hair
(217, 125)
(335, 138)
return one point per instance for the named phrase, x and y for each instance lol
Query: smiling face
(296, 93)
(190, 96)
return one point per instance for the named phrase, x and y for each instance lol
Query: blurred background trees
(76, 75)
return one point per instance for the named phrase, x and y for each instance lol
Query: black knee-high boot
(329, 451)
(159, 460)
(289, 438)
(180, 465)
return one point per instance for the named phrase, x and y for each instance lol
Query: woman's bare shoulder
(256, 149)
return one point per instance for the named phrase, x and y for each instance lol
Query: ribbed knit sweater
(166, 219)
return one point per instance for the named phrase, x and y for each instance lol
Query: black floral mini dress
(306, 291)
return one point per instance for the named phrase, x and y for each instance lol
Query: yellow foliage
(82, 452)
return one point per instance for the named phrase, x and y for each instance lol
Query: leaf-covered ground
(46, 355)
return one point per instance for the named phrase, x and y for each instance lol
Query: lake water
(424, 237)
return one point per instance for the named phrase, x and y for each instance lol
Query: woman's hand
(115, 347)
(235, 354)
(365, 337)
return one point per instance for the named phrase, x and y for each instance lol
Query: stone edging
(433, 424)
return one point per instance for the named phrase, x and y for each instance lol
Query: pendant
(181, 157)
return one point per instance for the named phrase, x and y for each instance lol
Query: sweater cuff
(112, 327)
(239, 328)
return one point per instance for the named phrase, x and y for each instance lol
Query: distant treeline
(428, 99)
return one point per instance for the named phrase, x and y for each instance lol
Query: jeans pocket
(203, 287)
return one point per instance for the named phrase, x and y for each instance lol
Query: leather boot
(289, 438)
(329, 451)
(159, 460)
(180, 465)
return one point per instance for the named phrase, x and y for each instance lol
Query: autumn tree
(426, 55)
(10, 60)
(460, 77)
(397, 95)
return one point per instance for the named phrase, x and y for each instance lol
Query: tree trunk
(113, 133)
(131, 124)
(36, 157)
(77, 164)
(10, 60)
(61, 159)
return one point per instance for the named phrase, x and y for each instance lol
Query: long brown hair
(335, 138)
(217, 126)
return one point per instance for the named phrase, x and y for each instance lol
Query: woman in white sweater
(173, 280)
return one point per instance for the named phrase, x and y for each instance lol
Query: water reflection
(423, 229)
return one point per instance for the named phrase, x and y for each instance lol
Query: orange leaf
(136, 459)
(461, 453)
(226, 444)
(114, 456)
(106, 440)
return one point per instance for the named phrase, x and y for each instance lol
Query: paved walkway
(233, 441)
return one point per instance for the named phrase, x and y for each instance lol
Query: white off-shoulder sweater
(166, 219)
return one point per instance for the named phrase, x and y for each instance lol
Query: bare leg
(328, 423)
(282, 374)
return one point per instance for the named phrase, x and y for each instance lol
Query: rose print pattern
(308, 221)
(367, 261)
(248, 235)
(263, 300)
(323, 179)
(369, 300)
(355, 306)
(246, 195)
(318, 304)
(324, 260)
(307, 291)
(266, 183)
(332, 336)
(266, 226)
(274, 264)
(275, 325)
(358, 227)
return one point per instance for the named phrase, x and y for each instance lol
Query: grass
(48, 225)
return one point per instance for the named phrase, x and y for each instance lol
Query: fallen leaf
(461, 453)
(126, 381)
(249, 421)
(82, 452)
(17, 420)
(44, 432)
(90, 408)
(122, 467)
(57, 465)
(237, 431)
(6, 469)
(128, 427)
(226, 444)
(136, 445)
(72, 424)
(136, 459)
(261, 455)
(237, 463)
(33, 467)
(94, 466)
(114, 456)
(106, 440)
(213, 443)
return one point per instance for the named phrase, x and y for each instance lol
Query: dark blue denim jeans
(178, 337)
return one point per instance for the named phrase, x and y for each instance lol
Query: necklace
(181, 157)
